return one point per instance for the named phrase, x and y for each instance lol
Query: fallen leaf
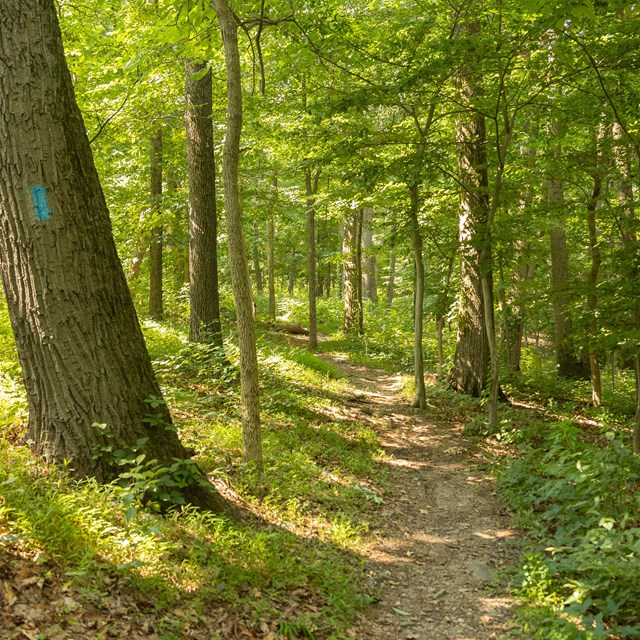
(400, 612)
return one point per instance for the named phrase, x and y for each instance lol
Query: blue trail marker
(40, 203)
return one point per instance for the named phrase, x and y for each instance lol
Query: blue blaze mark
(40, 203)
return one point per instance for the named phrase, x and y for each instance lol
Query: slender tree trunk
(311, 187)
(370, 283)
(203, 242)
(257, 269)
(82, 352)
(592, 297)
(349, 273)
(358, 274)
(392, 261)
(155, 249)
(271, 266)
(292, 271)
(271, 244)
(420, 399)
(237, 254)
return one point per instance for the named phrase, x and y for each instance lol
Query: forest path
(442, 531)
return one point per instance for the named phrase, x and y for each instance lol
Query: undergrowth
(295, 571)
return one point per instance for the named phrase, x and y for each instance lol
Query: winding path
(442, 532)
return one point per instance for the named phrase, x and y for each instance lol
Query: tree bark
(271, 259)
(155, 249)
(257, 269)
(370, 280)
(311, 188)
(349, 273)
(471, 361)
(629, 226)
(567, 364)
(392, 263)
(592, 296)
(237, 254)
(82, 351)
(420, 399)
(358, 273)
(204, 296)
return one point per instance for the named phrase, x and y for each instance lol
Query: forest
(320, 320)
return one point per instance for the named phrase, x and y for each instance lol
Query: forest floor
(431, 555)
(442, 534)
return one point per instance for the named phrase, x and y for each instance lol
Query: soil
(442, 535)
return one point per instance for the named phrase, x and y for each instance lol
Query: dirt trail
(441, 533)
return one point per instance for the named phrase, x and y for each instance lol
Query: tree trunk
(592, 296)
(349, 273)
(420, 399)
(471, 361)
(370, 282)
(566, 361)
(292, 272)
(204, 294)
(271, 260)
(237, 254)
(155, 249)
(311, 188)
(629, 226)
(82, 352)
(257, 270)
(271, 266)
(358, 273)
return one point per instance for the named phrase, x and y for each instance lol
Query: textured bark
(311, 188)
(237, 253)
(358, 273)
(293, 268)
(204, 296)
(629, 228)
(471, 361)
(257, 268)
(155, 248)
(392, 263)
(592, 297)
(567, 364)
(271, 266)
(369, 267)
(420, 398)
(349, 274)
(82, 351)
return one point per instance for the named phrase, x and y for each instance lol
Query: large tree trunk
(369, 267)
(237, 254)
(629, 226)
(82, 352)
(567, 363)
(420, 399)
(155, 249)
(471, 361)
(392, 263)
(311, 188)
(203, 242)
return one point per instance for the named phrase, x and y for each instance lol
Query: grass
(296, 571)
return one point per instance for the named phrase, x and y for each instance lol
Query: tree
(237, 253)
(155, 249)
(204, 297)
(79, 341)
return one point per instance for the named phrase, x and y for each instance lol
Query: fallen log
(295, 329)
